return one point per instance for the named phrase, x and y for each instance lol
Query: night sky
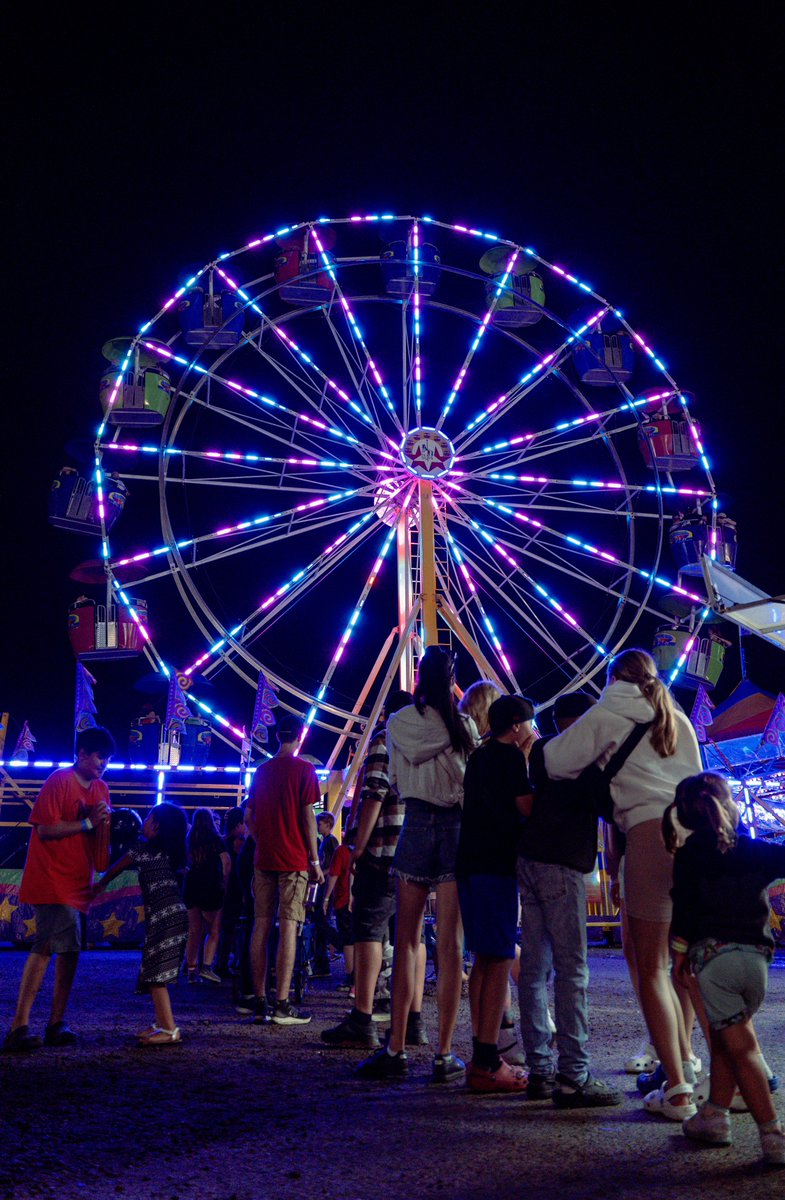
(640, 151)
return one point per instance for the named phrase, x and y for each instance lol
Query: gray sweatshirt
(422, 760)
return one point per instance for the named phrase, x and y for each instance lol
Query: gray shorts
(58, 929)
(733, 984)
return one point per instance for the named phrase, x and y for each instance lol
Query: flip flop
(161, 1037)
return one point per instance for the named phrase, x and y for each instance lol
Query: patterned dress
(166, 920)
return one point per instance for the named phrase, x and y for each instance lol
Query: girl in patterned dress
(159, 859)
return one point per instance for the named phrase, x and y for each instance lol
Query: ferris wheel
(351, 438)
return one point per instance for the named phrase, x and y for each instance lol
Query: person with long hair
(720, 934)
(476, 701)
(428, 744)
(641, 791)
(209, 865)
(159, 860)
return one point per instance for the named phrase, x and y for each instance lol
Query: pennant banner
(775, 726)
(84, 705)
(701, 713)
(176, 706)
(25, 743)
(266, 701)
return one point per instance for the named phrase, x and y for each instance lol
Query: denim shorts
(428, 844)
(373, 900)
(489, 907)
(732, 983)
(58, 929)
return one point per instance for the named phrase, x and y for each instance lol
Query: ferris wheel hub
(427, 453)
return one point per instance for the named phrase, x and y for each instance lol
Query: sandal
(661, 1102)
(161, 1037)
(643, 1062)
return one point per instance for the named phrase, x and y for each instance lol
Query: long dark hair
(203, 838)
(704, 804)
(172, 830)
(434, 690)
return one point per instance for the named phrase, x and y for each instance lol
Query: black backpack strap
(620, 756)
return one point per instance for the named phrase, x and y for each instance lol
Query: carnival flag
(25, 743)
(84, 705)
(701, 713)
(775, 726)
(266, 701)
(176, 706)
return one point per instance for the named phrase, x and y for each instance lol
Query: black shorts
(373, 893)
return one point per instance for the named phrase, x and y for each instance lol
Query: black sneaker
(21, 1040)
(382, 1065)
(59, 1035)
(591, 1094)
(446, 1068)
(540, 1087)
(416, 1033)
(352, 1033)
(261, 1012)
(286, 1014)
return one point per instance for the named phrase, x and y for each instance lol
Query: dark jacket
(562, 828)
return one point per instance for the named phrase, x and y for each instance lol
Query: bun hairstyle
(703, 804)
(476, 701)
(636, 666)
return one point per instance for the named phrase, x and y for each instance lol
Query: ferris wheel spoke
(356, 333)
(286, 594)
(363, 375)
(349, 630)
(476, 342)
(533, 378)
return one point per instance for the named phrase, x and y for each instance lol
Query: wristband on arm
(87, 825)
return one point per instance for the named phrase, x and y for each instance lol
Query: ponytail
(704, 804)
(636, 666)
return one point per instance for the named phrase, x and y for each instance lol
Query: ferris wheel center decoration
(427, 453)
(352, 437)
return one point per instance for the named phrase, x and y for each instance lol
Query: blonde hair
(476, 701)
(703, 803)
(636, 666)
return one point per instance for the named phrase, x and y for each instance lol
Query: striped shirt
(376, 787)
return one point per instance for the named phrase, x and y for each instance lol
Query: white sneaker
(644, 1061)
(772, 1144)
(710, 1124)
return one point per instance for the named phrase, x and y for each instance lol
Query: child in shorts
(720, 933)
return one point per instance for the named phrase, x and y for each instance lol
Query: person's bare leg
(476, 981)
(410, 906)
(193, 945)
(420, 964)
(493, 997)
(660, 1007)
(449, 942)
(741, 1045)
(162, 1005)
(348, 960)
(29, 987)
(260, 939)
(284, 961)
(367, 965)
(65, 970)
(722, 1082)
(213, 922)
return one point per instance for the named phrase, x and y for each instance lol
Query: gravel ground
(238, 1112)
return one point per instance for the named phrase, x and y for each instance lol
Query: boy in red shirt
(57, 881)
(339, 889)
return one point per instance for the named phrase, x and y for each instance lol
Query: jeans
(428, 844)
(553, 934)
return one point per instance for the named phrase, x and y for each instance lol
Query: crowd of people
(461, 804)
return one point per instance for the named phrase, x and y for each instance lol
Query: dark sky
(638, 149)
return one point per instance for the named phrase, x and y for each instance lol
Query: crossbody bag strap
(620, 756)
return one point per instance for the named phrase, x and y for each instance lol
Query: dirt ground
(238, 1112)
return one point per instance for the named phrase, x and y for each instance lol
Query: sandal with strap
(161, 1037)
(643, 1062)
(661, 1102)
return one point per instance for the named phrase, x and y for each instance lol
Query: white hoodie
(646, 783)
(422, 761)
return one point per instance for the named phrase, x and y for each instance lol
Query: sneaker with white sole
(286, 1014)
(710, 1124)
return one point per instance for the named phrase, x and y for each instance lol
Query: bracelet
(87, 825)
(314, 862)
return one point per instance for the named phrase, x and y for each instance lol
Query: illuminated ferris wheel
(351, 438)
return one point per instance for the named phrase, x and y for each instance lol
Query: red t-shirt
(61, 871)
(341, 867)
(280, 790)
